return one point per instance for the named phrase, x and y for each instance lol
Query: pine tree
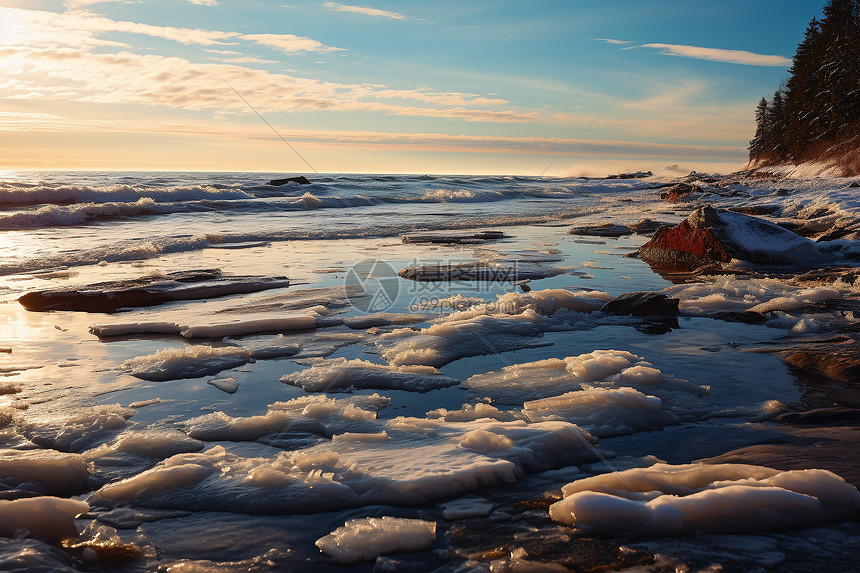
(757, 142)
(801, 87)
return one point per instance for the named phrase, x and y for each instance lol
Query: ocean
(395, 373)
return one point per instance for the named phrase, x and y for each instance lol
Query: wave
(134, 250)
(17, 194)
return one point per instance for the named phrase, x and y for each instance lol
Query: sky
(542, 87)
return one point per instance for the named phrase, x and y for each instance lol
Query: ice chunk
(317, 414)
(420, 461)
(157, 444)
(55, 472)
(49, 517)
(77, 431)
(365, 539)
(725, 498)
(343, 374)
(603, 412)
(186, 362)
(242, 327)
(509, 323)
(466, 507)
(469, 412)
(229, 385)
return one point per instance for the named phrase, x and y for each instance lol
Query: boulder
(712, 235)
(301, 180)
(642, 304)
(679, 192)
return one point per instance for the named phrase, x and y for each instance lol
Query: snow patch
(365, 539)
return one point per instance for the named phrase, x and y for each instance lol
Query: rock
(711, 235)
(854, 184)
(301, 180)
(756, 209)
(635, 175)
(602, 230)
(647, 226)
(454, 237)
(642, 304)
(148, 291)
(679, 192)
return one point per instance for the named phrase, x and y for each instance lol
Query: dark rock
(745, 317)
(642, 304)
(635, 175)
(602, 230)
(679, 192)
(301, 180)
(457, 238)
(711, 235)
(148, 291)
(756, 209)
(782, 192)
(838, 362)
(647, 226)
(854, 184)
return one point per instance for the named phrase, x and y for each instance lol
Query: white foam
(342, 374)
(365, 539)
(724, 498)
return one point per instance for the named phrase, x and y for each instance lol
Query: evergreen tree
(757, 142)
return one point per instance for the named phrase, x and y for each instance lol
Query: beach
(425, 365)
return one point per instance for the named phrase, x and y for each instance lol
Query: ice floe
(46, 471)
(511, 322)
(48, 517)
(186, 362)
(342, 374)
(228, 385)
(158, 444)
(416, 461)
(77, 431)
(365, 539)
(725, 498)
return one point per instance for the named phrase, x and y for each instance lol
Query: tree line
(815, 113)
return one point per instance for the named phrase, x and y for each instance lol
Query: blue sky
(442, 87)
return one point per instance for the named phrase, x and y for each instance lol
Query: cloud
(364, 10)
(721, 55)
(204, 2)
(612, 41)
(289, 44)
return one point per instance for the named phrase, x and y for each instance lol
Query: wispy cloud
(289, 44)
(720, 55)
(614, 41)
(367, 11)
(204, 2)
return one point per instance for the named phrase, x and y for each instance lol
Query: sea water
(271, 468)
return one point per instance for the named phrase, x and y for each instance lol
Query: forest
(814, 115)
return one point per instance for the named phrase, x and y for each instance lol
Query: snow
(763, 240)
(725, 498)
(365, 539)
(47, 517)
(186, 362)
(342, 374)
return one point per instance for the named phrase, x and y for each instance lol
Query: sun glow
(10, 29)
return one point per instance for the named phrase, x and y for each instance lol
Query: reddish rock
(711, 236)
